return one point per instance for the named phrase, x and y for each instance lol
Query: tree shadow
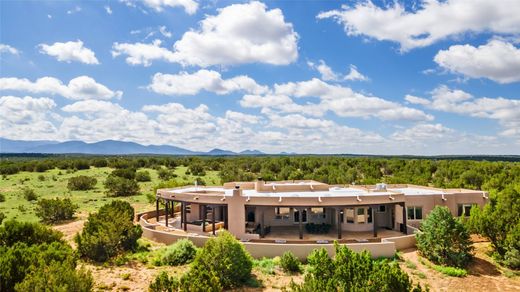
(482, 267)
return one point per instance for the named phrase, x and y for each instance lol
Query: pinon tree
(444, 239)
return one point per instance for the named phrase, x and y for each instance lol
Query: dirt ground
(483, 274)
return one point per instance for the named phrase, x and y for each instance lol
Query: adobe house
(306, 210)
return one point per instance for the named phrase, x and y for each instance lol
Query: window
(414, 213)
(281, 213)
(350, 215)
(381, 209)
(369, 217)
(297, 216)
(361, 215)
(464, 209)
(318, 213)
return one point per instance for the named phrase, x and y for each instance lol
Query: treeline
(486, 175)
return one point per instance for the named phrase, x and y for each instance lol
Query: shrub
(2, 197)
(180, 253)
(109, 232)
(164, 174)
(81, 183)
(121, 187)
(351, 271)
(128, 173)
(289, 262)
(222, 263)
(444, 240)
(196, 169)
(29, 233)
(2, 217)
(41, 177)
(55, 210)
(101, 162)
(29, 194)
(164, 283)
(81, 164)
(143, 176)
(266, 265)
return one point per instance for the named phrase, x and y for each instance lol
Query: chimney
(259, 184)
(237, 192)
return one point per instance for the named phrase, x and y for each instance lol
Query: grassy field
(53, 183)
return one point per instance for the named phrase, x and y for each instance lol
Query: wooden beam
(300, 221)
(213, 219)
(185, 217)
(157, 210)
(405, 229)
(374, 220)
(166, 203)
(338, 211)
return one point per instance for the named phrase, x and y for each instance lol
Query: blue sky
(300, 76)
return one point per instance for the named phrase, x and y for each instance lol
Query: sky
(362, 77)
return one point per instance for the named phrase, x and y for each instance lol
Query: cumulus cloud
(190, 84)
(27, 117)
(355, 75)
(108, 10)
(7, 49)
(82, 87)
(328, 74)
(420, 26)
(423, 132)
(505, 111)
(238, 34)
(497, 60)
(69, 52)
(189, 6)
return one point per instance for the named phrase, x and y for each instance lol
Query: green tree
(444, 239)
(55, 210)
(143, 176)
(81, 183)
(13, 231)
(120, 186)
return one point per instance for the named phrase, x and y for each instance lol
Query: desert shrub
(164, 283)
(180, 253)
(2, 197)
(41, 177)
(444, 239)
(2, 217)
(13, 231)
(499, 221)
(100, 162)
(120, 186)
(109, 232)
(81, 164)
(55, 210)
(81, 183)
(142, 176)
(128, 173)
(289, 262)
(351, 271)
(197, 169)
(164, 174)
(222, 263)
(266, 265)
(29, 194)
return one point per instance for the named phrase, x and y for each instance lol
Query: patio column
(157, 210)
(166, 203)
(184, 216)
(374, 220)
(173, 209)
(225, 211)
(213, 218)
(300, 215)
(338, 211)
(204, 218)
(405, 229)
(182, 213)
(262, 233)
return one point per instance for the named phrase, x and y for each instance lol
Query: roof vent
(381, 187)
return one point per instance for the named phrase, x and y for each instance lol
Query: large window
(350, 215)
(361, 216)
(317, 213)
(297, 216)
(464, 209)
(281, 213)
(414, 213)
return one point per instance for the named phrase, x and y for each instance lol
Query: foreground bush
(121, 187)
(351, 271)
(55, 210)
(444, 239)
(289, 262)
(223, 261)
(81, 183)
(180, 253)
(34, 258)
(109, 232)
(164, 283)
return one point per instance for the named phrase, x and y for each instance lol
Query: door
(296, 215)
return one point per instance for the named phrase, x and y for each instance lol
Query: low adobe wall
(386, 248)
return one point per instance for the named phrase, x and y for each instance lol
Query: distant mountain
(107, 147)
(217, 152)
(251, 152)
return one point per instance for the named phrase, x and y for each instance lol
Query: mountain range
(106, 147)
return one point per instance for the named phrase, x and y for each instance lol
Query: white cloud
(7, 49)
(354, 75)
(74, 10)
(191, 84)
(238, 34)
(70, 51)
(26, 117)
(242, 118)
(108, 10)
(429, 22)
(143, 54)
(497, 60)
(423, 132)
(505, 111)
(82, 87)
(416, 100)
(189, 6)
(164, 31)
